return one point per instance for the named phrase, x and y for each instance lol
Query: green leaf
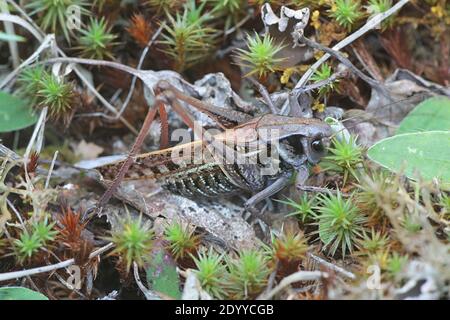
(15, 113)
(425, 152)
(432, 114)
(11, 37)
(20, 293)
(162, 275)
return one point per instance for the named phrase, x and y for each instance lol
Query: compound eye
(317, 146)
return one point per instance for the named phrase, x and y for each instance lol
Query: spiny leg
(164, 141)
(266, 193)
(164, 91)
(130, 158)
(225, 118)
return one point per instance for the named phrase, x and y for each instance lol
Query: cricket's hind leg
(166, 94)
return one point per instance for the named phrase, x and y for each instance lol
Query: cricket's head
(299, 139)
(316, 145)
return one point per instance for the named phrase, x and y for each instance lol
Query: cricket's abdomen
(189, 178)
(202, 181)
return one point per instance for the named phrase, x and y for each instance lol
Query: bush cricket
(231, 160)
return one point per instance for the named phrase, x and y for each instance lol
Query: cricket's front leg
(275, 187)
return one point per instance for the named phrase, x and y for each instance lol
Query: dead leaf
(281, 29)
(87, 150)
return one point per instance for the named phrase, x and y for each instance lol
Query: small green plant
(210, 271)
(229, 6)
(133, 242)
(260, 56)
(53, 14)
(346, 12)
(395, 264)
(303, 208)
(444, 202)
(347, 155)
(182, 239)
(44, 89)
(56, 94)
(247, 274)
(374, 189)
(411, 223)
(379, 6)
(97, 40)
(323, 74)
(30, 82)
(29, 243)
(186, 38)
(290, 246)
(232, 10)
(165, 5)
(390, 263)
(305, 3)
(373, 242)
(340, 223)
(45, 231)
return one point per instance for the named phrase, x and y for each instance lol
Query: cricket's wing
(160, 164)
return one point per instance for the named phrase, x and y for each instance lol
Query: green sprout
(210, 271)
(44, 231)
(374, 242)
(133, 242)
(232, 10)
(340, 223)
(96, 41)
(347, 155)
(290, 246)
(30, 82)
(395, 264)
(380, 6)
(229, 6)
(260, 56)
(372, 190)
(55, 94)
(411, 223)
(304, 3)
(247, 274)
(165, 5)
(444, 202)
(346, 13)
(182, 239)
(322, 74)
(46, 90)
(28, 245)
(303, 208)
(53, 14)
(187, 40)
